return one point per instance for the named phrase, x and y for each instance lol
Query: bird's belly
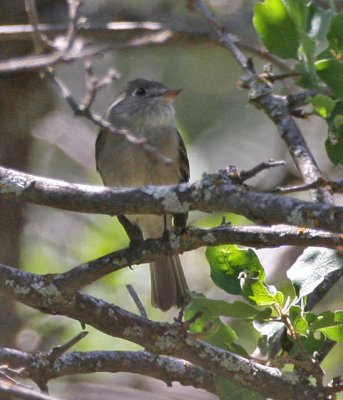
(135, 167)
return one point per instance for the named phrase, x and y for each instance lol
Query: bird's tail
(168, 283)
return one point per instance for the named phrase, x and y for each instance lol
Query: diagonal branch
(159, 338)
(275, 107)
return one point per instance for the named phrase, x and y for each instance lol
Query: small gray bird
(145, 110)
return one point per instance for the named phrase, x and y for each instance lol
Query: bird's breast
(125, 164)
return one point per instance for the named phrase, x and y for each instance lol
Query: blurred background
(39, 134)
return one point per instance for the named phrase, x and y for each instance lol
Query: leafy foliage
(297, 30)
(238, 271)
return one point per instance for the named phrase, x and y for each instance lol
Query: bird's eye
(139, 92)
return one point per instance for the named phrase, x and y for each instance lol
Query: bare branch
(37, 37)
(57, 351)
(79, 51)
(63, 48)
(245, 175)
(23, 32)
(300, 188)
(141, 362)
(143, 33)
(137, 300)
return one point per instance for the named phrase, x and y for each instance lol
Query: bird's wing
(183, 161)
(99, 144)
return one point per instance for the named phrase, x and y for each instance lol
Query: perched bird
(145, 110)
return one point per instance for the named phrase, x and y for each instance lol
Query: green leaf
(298, 321)
(220, 335)
(334, 333)
(318, 21)
(335, 151)
(276, 28)
(257, 292)
(334, 142)
(323, 105)
(330, 71)
(298, 11)
(236, 309)
(211, 328)
(308, 47)
(310, 342)
(309, 77)
(227, 390)
(228, 262)
(330, 323)
(335, 35)
(311, 268)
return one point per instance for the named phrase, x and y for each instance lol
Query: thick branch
(39, 366)
(159, 338)
(214, 193)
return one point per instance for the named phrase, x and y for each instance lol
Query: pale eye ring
(139, 92)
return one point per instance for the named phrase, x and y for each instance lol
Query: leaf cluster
(239, 272)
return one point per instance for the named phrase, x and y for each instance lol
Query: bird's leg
(133, 231)
(180, 222)
(165, 235)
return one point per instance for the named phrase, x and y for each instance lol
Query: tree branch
(40, 367)
(159, 338)
(275, 107)
(193, 238)
(213, 193)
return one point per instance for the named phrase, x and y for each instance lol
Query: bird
(145, 110)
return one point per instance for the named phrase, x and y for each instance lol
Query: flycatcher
(145, 110)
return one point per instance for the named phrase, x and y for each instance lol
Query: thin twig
(245, 175)
(321, 182)
(300, 99)
(57, 351)
(37, 37)
(137, 300)
(271, 77)
(94, 84)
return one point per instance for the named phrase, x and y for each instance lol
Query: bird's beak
(171, 94)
